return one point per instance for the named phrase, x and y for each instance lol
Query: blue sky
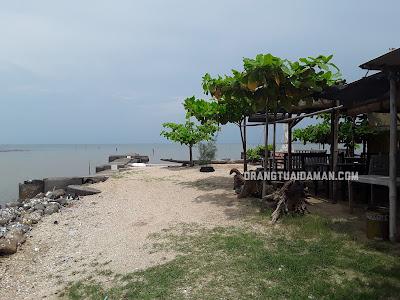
(113, 71)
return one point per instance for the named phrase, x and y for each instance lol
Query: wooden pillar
(290, 126)
(393, 159)
(274, 144)
(244, 145)
(264, 190)
(334, 151)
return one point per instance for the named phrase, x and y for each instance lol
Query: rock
(62, 201)
(82, 190)
(23, 227)
(52, 208)
(32, 218)
(207, 169)
(40, 196)
(55, 194)
(94, 179)
(13, 204)
(39, 206)
(6, 215)
(16, 234)
(8, 246)
(3, 231)
(60, 182)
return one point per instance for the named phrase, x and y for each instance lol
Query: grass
(307, 257)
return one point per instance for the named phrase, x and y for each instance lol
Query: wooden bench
(378, 175)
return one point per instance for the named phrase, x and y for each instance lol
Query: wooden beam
(290, 126)
(244, 146)
(334, 151)
(392, 158)
(299, 117)
(264, 190)
(274, 145)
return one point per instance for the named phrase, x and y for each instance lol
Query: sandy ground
(110, 231)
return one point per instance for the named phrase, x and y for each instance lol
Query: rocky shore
(18, 217)
(109, 232)
(41, 198)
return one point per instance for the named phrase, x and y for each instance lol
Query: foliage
(275, 82)
(320, 133)
(316, 133)
(207, 151)
(257, 152)
(266, 82)
(189, 133)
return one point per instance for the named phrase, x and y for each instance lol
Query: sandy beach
(110, 231)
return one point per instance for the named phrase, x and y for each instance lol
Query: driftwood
(290, 198)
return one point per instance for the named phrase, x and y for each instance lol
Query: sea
(24, 162)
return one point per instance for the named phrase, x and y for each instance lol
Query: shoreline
(111, 229)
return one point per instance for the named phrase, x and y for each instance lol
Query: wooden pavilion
(378, 93)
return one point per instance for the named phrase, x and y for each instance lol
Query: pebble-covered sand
(109, 231)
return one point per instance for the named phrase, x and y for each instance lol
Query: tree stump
(290, 198)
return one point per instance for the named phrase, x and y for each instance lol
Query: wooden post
(264, 190)
(350, 188)
(290, 126)
(274, 144)
(334, 152)
(393, 159)
(244, 145)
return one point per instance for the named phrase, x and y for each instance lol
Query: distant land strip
(13, 150)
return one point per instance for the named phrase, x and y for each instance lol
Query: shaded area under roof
(388, 60)
(365, 91)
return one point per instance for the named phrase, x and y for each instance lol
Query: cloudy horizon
(113, 71)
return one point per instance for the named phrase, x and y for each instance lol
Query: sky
(113, 71)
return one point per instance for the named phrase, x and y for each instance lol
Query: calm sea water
(24, 162)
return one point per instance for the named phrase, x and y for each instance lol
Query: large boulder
(30, 188)
(82, 190)
(54, 183)
(17, 234)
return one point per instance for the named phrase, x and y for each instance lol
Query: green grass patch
(306, 257)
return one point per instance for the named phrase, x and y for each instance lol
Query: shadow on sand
(233, 208)
(211, 183)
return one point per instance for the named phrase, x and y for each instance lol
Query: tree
(225, 110)
(351, 132)
(266, 83)
(189, 134)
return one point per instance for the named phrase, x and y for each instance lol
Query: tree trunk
(244, 146)
(191, 155)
